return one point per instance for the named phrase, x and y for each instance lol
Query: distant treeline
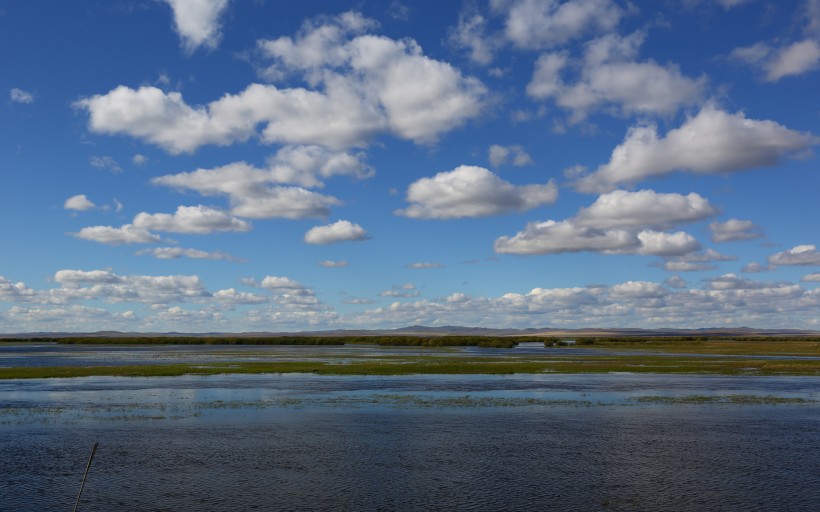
(197, 340)
(444, 341)
(397, 341)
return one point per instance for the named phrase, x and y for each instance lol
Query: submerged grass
(727, 399)
(443, 365)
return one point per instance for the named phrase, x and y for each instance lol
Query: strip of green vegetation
(443, 365)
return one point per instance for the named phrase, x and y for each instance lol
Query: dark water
(304, 442)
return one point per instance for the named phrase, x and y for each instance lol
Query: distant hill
(449, 330)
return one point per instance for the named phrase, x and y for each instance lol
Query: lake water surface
(307, 442)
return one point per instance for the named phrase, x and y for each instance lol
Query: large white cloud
(469, 191)
(417, 97)
(339, 231)
(197, 22)
(610, 76)
(712, 142)
(361, 86)
(619, 222)
(191, 219)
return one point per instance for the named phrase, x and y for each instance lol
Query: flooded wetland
(608, 440)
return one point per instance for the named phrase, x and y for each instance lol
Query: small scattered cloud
(675, 282)
(470, 35)
(776, 63)
(734, 230)
(333, 264)
(172, 253)
(20, 96)
(127, 234)
(799, 255)
(755, 267)
(79, 203)
(424, 265)
(105, 162)
(775, 60)
(696, 261)
(339, 231)
(399, 11)
(470, 191)
(139, 159)
(811, 278)
(499, 155)
(358, 301)
(404, 291)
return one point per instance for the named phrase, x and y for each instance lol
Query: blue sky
(238, 165)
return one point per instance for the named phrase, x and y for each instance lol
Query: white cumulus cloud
(79, 203)
(172, 253)
(470, 191)
(250, 192)
(712, 142)
(619, 222)
(799, 255)
(127, 234)
(198, 22)
(190, 219)
(536, 24)
(361, 85)
(339, 231)
(609, 75)
(20, 96)
(734, 230)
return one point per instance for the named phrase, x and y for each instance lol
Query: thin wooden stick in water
(87, 467)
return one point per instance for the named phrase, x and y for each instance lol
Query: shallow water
(307, 442)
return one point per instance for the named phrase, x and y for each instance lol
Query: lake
(420, 442)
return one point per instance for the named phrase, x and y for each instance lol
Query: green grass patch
(442, 365)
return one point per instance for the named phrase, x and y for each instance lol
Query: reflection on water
(305, 442)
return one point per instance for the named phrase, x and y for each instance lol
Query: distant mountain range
(450, 330)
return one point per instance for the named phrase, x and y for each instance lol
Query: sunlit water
(306, 442)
